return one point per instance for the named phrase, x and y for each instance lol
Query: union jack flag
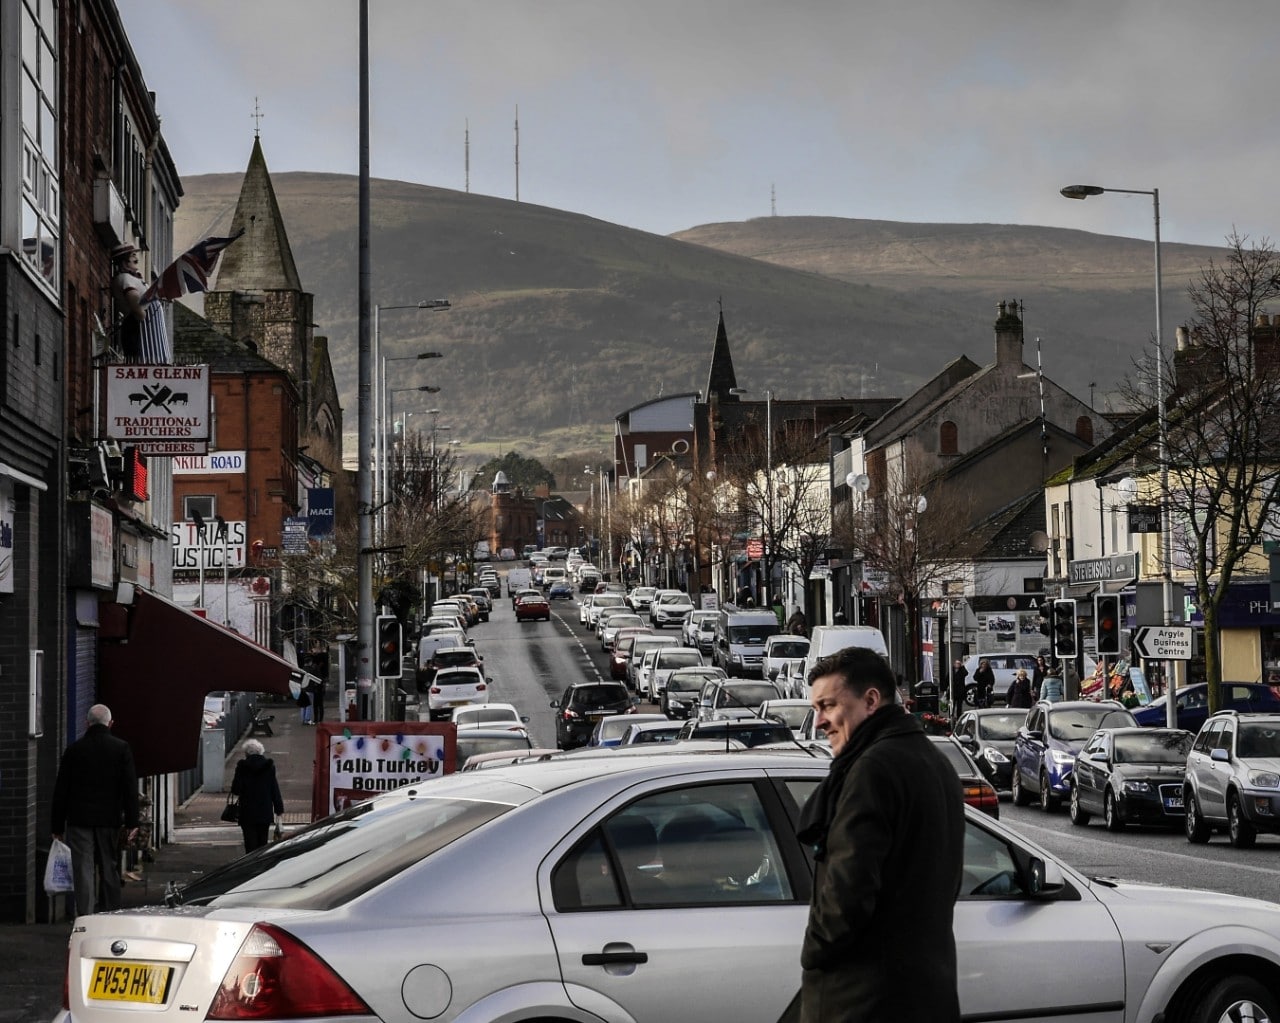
(190, 271)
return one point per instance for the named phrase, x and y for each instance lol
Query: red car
(531, 608)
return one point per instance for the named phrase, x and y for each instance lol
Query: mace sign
(161, 410)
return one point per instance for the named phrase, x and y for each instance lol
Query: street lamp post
(1166, 539)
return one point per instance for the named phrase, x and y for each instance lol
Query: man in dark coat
(95, 792)
(887, 830)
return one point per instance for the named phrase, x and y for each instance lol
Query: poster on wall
(358, 760)
(1010, 632)
(6, 534)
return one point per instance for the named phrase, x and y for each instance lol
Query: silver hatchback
(609, 888)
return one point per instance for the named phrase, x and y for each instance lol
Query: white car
(692, 624)
(491, 715)
(616, 620)
(599, 602)
(455, 687)
(624, 883)
(791, 713)
(667, 660)
(669, 609)
(780, 648)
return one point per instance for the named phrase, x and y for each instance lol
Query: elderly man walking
(96, 791)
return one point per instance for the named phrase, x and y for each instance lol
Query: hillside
(560, 321)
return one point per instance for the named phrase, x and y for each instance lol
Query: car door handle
(614, 958)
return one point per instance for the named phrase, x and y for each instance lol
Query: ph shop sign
(158, 404)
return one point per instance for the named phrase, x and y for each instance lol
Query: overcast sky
(662, 115)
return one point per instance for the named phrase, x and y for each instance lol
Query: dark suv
(1233, 778)
(585, 703)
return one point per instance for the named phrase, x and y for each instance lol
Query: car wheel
(1240, 831)
(1048, 801)
(1111, 813)
(1020, 795)
(1196, 828)
(1079, 816)
(1236, 999)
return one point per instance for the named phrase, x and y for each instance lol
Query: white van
(740, 638)
(518, 579)
(827, 639)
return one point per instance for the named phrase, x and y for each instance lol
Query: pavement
(31, 984)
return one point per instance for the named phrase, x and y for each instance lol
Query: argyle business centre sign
(161, 410)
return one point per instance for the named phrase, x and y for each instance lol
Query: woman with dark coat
(1020, 690)
(259, 791)
(984, 680)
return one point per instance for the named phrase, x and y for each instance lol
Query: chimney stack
(1009, 336)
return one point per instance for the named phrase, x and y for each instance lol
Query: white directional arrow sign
(1163, 642)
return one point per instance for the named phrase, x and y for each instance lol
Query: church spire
(721, 380)
(262, 260)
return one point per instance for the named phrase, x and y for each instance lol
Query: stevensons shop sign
(161, 410)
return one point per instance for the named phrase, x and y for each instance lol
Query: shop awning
(156, 663)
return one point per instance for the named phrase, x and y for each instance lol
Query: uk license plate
(118, 981)
(1173, 802)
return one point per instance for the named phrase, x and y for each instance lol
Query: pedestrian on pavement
(958, 675)
(839, 618)
(886, 828)
(779, 611)
(1038, 673)
(798, 625)
(984, 680)
(1052, 688)
(96, 791)
(259, 791)
(315, 689)
(304, 705)
(1020, 690)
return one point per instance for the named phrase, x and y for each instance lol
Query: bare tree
(1222, 451)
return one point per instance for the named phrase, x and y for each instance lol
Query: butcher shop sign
(161, 410)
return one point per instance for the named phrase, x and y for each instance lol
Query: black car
(1131, 776)
(988, 736)
(585, 703)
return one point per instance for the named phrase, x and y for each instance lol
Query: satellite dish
(1038, 541)
(1127, 486)
(922, 503)
(858, 481)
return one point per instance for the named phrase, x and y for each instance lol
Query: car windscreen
(599, 696)
(1000, 726)
(678, 659)
(457, 677)
(791, 715)
(746, 695)
(686, 683)
(608, 600)
(619, 621)
(344, 856)
(750, 735)
(484, 716)
(469, 746)
(1153, 748)
(1078, 723)
(751, 635)
(1257, 740)
(673, 598)
(789, 648)
(956, 758)
(455, 658)
(664, 734)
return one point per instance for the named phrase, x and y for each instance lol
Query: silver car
(609, 889)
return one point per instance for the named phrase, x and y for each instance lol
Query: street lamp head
(430, 355)
(1082, 191)
(738, 391)
(434, 303)
(427, 388)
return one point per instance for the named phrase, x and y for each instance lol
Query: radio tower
(466, 153)
(517, 152)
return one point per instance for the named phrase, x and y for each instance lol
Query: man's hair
(860, 669)
(253, 746)
(99, 714)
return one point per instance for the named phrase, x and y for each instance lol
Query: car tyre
(1194, 823)
(1111, 813)
(1235, 998)
(1048, 801)
(1020, 795)
(1079, 815)
(1241, 833)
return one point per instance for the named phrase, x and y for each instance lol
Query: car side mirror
(1034, 734)
(555, 704)
(1220, 755)
(968, 741)
(1045, 879)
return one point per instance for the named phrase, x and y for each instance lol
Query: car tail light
(479, 687)
(981, 796)
(570, 715)
(435, 690)
(275, 976)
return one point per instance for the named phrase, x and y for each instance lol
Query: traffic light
(1062, 617)
(1106, 622)
(390, 644)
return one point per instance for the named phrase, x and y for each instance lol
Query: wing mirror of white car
(968, 741)
(1045, 878)
(525, 719)
(1220, 755)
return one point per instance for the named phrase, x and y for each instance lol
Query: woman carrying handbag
(259, 793)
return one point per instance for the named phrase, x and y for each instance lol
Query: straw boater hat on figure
(121, 251)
